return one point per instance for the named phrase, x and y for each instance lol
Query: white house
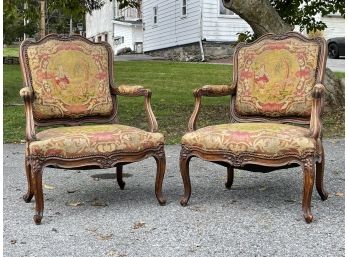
(190, 29)
(335, 26)
(121, 28)
(178, 29)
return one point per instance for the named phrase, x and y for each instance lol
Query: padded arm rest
(207, 90)
(125, 90)
(214, 90)
(27, 94)
(315, 122)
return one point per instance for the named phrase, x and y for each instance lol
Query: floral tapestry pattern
(77, 141)
(69, 79)
(276, 78)
(270, 139)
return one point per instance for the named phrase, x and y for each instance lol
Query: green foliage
(11, 51)
(128, 3)
(246, 36)
(58, 13)
(302, 12)
(13, 18)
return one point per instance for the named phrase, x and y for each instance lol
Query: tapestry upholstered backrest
(70, 78)
(275, 76)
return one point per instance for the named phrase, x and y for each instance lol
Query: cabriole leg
(185, 174)
(39, 200)
(161, 168)
(308, 170)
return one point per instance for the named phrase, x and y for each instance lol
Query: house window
(183, 8)
(106, 38)
(224, 11)
(99, 38)
(119, 40)
(155, 11)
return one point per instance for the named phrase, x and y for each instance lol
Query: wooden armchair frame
(34, 164)
(312, 164)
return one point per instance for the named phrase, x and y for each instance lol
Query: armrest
(214, 90)
(125, 90)
(27, 94)
(210, 91)
(315, 127)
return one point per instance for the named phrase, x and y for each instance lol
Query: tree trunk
(260, 15)
(334, 95)
(263, 18)
(42, 19)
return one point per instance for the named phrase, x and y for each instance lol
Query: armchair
(277, 80)
(68, 83)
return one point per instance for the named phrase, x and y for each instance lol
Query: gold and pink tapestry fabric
(78, 141)
(276, 78)
(70, 79)
(270, 139)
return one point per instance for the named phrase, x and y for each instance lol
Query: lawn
(172, 101)
(11, 51)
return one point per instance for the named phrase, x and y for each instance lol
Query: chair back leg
(319, 177)
(30, 190)
(119, 175)
(230, 176)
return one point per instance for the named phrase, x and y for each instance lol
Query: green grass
(172, 101)
(11, 51)
(340, 75)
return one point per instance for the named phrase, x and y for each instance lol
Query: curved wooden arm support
(124, 90)
(315, 122)
(27, 94)
(210, 91)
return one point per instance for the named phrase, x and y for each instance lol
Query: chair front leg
(308, 170)
(37, 182)
(30, 190)
(319, 177)
(230, 176)
(185, 174)
(161, 168)
(119, 175)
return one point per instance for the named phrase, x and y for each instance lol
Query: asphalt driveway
(87, 215)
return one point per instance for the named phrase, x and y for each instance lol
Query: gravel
(86, 214)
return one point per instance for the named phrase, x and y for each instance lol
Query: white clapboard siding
(335, 26)
(100, 21)
(171, 29)
(218, 27)
(126, 31)
(138, 35)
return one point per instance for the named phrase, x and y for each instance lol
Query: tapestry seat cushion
(79, 141)
(270, 139)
